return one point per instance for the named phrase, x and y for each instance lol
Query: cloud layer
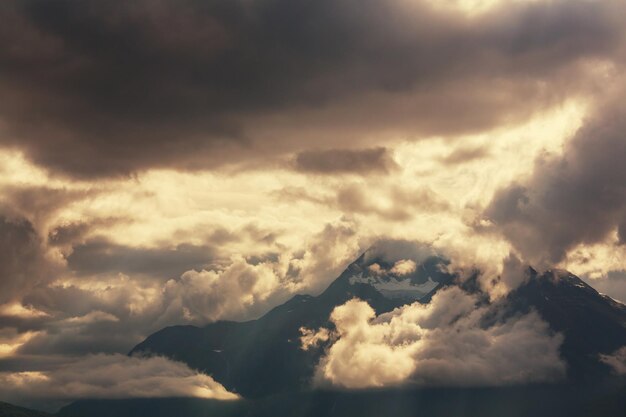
(229, 81)
(110, 376)
(444, 343)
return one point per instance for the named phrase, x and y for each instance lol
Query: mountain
(9, 410)
(592, 323)
(262, 357)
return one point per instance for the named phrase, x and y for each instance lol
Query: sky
(181, 162)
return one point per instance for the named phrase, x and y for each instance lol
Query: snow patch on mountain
(396, 288)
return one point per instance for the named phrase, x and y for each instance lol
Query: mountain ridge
(263, 357)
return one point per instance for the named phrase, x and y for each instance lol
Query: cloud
(570, 199)
(443, 343)
(71, 233)
(514, 273)
(311, 339)
(245, 288)
(339, 161)
(99, 255)
(39, 203)
(97, 326)
(398, 251)
(392, 203)
(466, 154)
(403, 267)
(241, 81)
(11, 340)
(617, 361)
(208, 295)
(109, 376)
(23, 264)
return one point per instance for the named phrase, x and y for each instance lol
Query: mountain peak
(413, 276)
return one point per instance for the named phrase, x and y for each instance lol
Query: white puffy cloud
(311, 339)
(444, 342)
(209, 295)
(110, 376)
(404, 267)
(245, 289)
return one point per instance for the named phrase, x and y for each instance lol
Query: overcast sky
(169, 162)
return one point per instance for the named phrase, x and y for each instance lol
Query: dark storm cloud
(339, 161)
(99, 255)
(463, 155)
(579, 197)
(21, 363)
(22, 324)
(69, 233)
(68, 301)
(65, 234)
(266, 257)
(22, 261)
(96, 88)
(67, 339)
(40, 202)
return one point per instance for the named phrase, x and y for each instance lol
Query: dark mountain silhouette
(263, 357)
(592, 323)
